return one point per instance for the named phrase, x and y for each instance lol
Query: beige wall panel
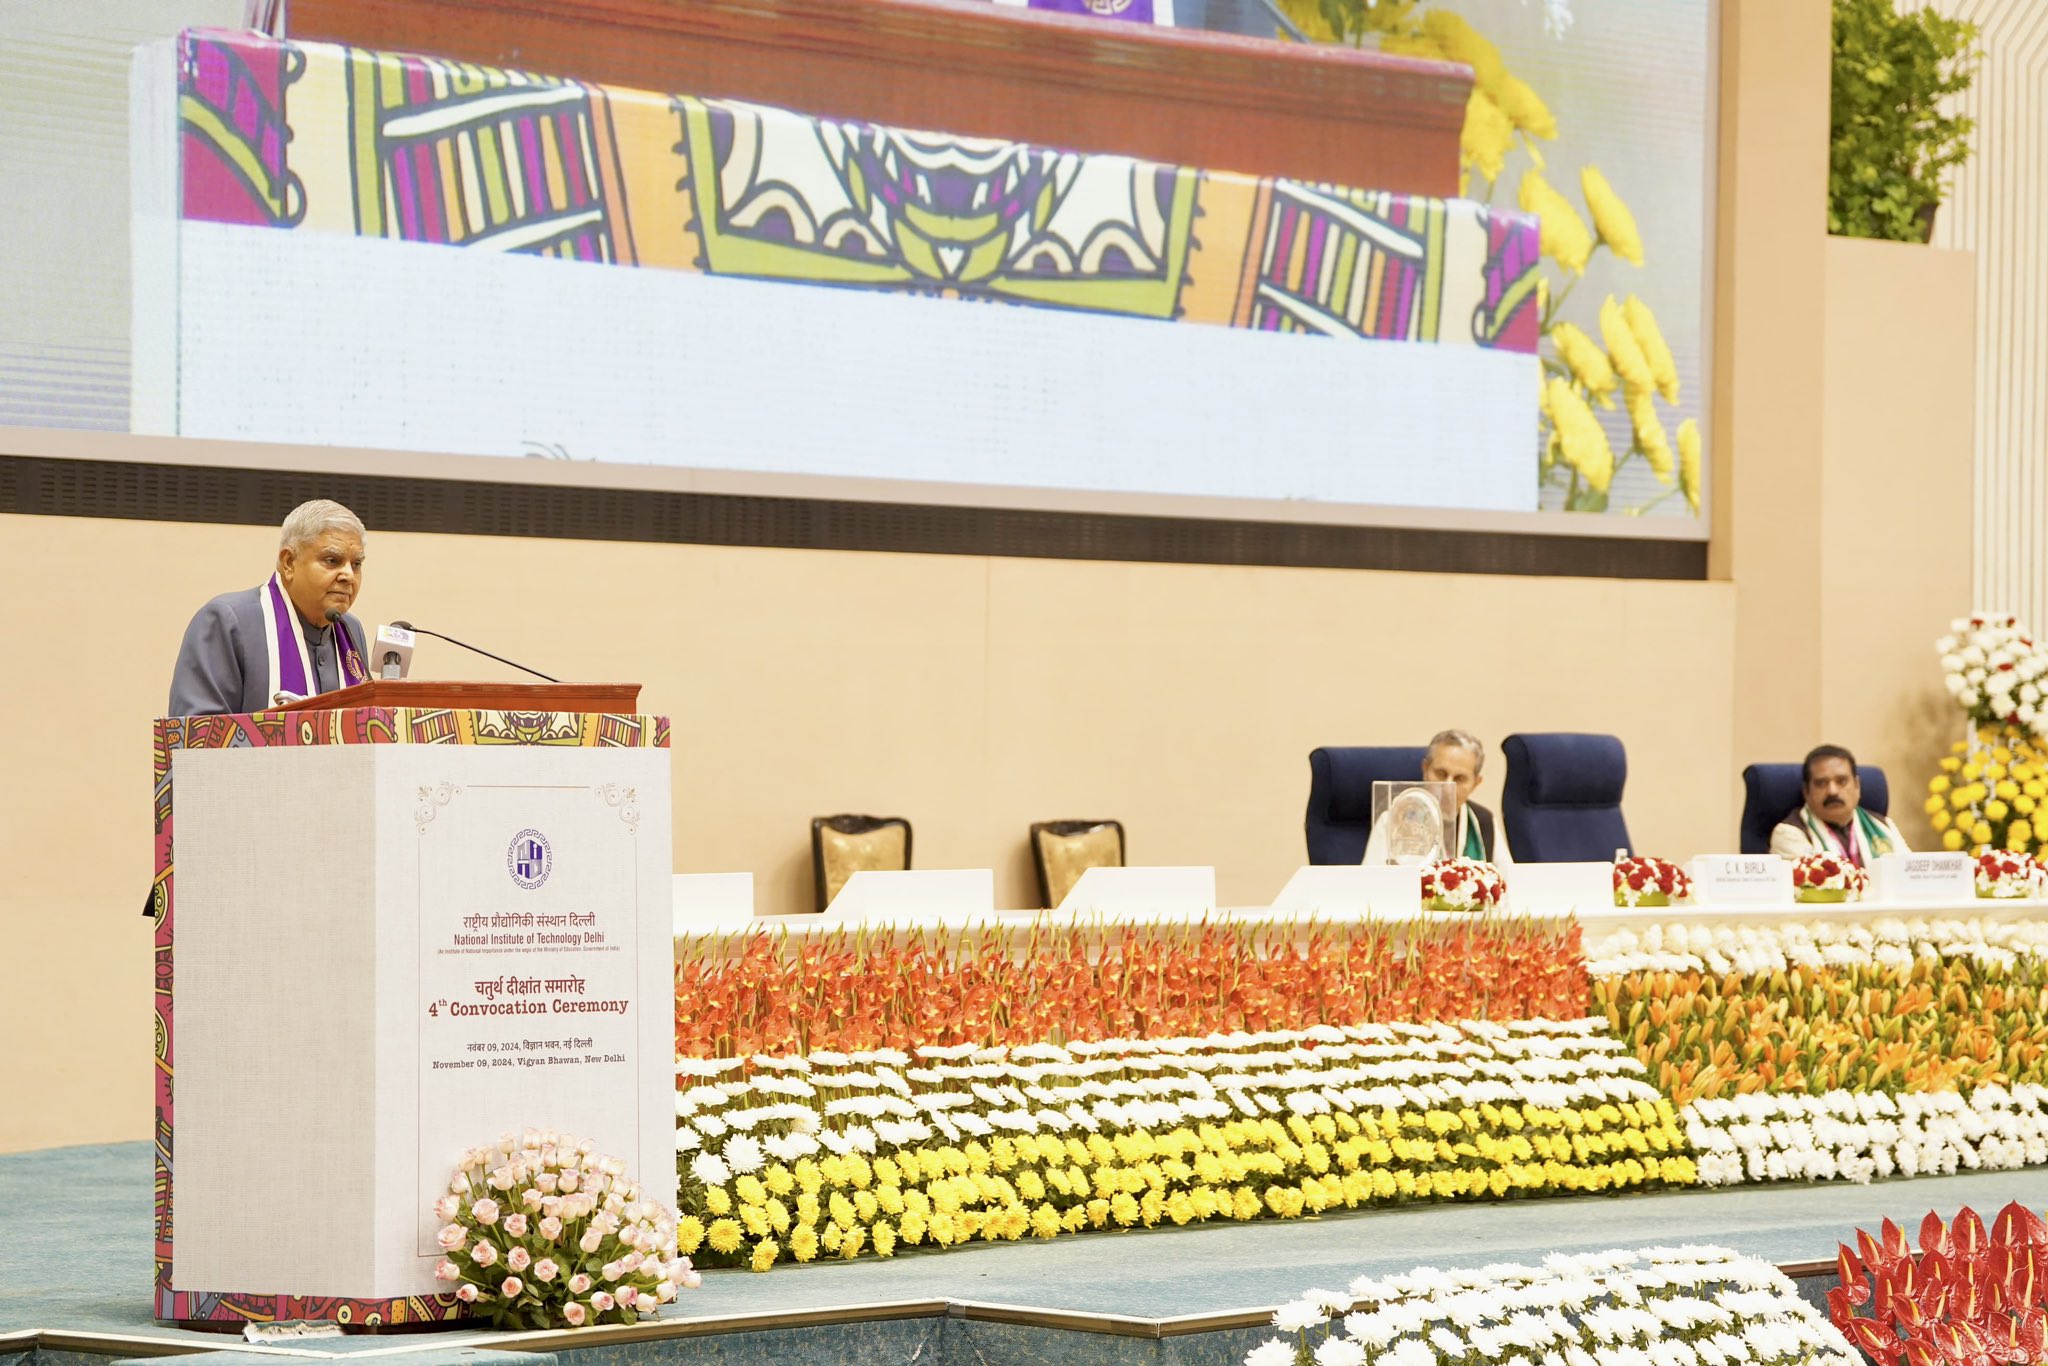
(1900, 375)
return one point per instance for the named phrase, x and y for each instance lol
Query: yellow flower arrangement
(1581, 438)
(1611, 217)
(1564, 236)
(1689, 462)
(1987, 793)
(1008, 1188)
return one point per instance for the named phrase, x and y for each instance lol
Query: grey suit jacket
(222, 668)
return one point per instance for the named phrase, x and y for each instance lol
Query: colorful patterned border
(315, 137)
(359, 726)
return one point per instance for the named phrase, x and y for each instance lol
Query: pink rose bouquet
(541, 1231)
(1461, 884)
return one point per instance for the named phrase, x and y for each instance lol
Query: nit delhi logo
(529, 859)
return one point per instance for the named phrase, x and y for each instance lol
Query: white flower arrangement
(1040, 1140)
(1863, 1136)
(1678, 1306)
(1758, 948)
(2003, 875)
(1994, 669)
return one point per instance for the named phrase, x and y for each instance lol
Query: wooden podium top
(1180, 96)
(617, 698)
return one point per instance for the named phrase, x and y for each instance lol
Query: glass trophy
(1419, 820)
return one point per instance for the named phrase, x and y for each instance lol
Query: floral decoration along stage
(1967, 1296)
(873, 986)
(1989, 790)
(1822, 878)
(833, 1155)
(2007, 876)
(1829, 1051)
(1659, 1306)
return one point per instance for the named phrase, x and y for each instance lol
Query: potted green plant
(1892, 143)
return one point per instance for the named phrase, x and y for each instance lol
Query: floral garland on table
(1462, 885)
(1653, 1306)
(1644, 881)
(835, 1155)
(868, 987)
(1862, 1136)
(1895, 1006)
(2008, 876)
(542, 1231)
(1826, 878)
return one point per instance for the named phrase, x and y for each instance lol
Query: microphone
(392, 650)
(332, 616)
(411, 629)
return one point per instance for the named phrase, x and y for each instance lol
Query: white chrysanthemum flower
(710, 1169)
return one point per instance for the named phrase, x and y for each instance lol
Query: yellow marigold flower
(2019, 836)
(803, 1245)
(2001, 755)
(851, 1242)
(1045, 1221)
(2008, 789)
(885, 1239)
(1663, 367)
(1487, 137)
(1973, 770)
(1938, 784)
(1994, 810)
(1460, 42)
(1587, 362)
(1939, 820)
(689, 1234)
(1525, 110)
(1994, 770)
(778, 1216)
(1960, 798)
(723, 1236)
(1952, 840)
(1689, 462)
(1650, 437)
(1980, 833)
(1564, 238)
(765, 1254)
(1623, 348)
(716, 1201)
(2035, 788)
(1935, 804)
(1611, 218)
(750, 1191)
(1583, 440)
(2024, 804)
(1950, 764)
(913, 1227)
(780, 1181)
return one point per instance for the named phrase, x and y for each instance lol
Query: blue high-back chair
(1771, 792)
(1562, 799)
(1340, 795)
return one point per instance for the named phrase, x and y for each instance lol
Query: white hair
(310, 521)
(1458, 739)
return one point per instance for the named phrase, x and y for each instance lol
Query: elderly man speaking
(291, 637)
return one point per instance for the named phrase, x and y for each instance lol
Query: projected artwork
(759, 291)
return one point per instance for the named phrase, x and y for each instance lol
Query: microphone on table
(388, 648)
(392, 649)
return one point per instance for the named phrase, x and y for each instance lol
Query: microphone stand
(421, 630)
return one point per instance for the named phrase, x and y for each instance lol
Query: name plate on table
(1925, 877)
(1559, 888)
(1143, 891)
(703, 897)
(1741, 880)
(919, 894)
(1351, 889)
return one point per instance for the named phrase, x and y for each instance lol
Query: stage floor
(75, 1270)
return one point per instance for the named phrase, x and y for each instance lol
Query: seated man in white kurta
(1832, 820)
(1455, 757)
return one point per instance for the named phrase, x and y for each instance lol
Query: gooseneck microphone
(421, 630)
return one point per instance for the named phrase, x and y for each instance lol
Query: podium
(393, 922)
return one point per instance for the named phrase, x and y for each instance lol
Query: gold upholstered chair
(844, 845)
(1063, 850)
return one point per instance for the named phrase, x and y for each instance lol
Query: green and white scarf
(1868, 838)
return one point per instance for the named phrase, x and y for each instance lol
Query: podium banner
(404, 932)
